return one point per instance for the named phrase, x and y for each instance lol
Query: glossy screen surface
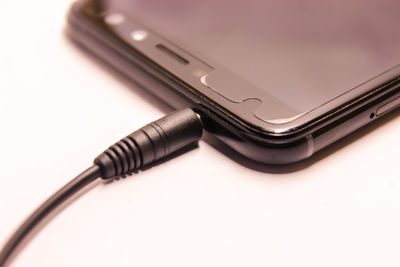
(305, 53)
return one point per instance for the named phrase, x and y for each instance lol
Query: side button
(388, 106)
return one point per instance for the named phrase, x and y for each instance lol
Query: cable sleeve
(150, 143)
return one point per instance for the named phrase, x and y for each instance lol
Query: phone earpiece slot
(171, 53)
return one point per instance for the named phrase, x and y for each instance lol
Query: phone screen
(303, 52)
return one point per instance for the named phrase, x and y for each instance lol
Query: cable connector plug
(139, 149)
(150, 143)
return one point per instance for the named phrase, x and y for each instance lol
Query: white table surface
(59, 108)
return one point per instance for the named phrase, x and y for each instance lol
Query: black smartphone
(275, 80)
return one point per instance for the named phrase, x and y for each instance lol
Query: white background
(59, 108)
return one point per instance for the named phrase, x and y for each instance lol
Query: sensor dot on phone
(139, 35)
(114, 19)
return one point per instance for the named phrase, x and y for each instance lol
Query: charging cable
(132, 153)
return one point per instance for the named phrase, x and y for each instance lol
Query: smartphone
(275, 80)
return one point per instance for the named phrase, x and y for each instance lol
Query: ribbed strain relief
(150, 143)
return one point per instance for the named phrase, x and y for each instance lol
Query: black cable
(139, 149)
(46, 208)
